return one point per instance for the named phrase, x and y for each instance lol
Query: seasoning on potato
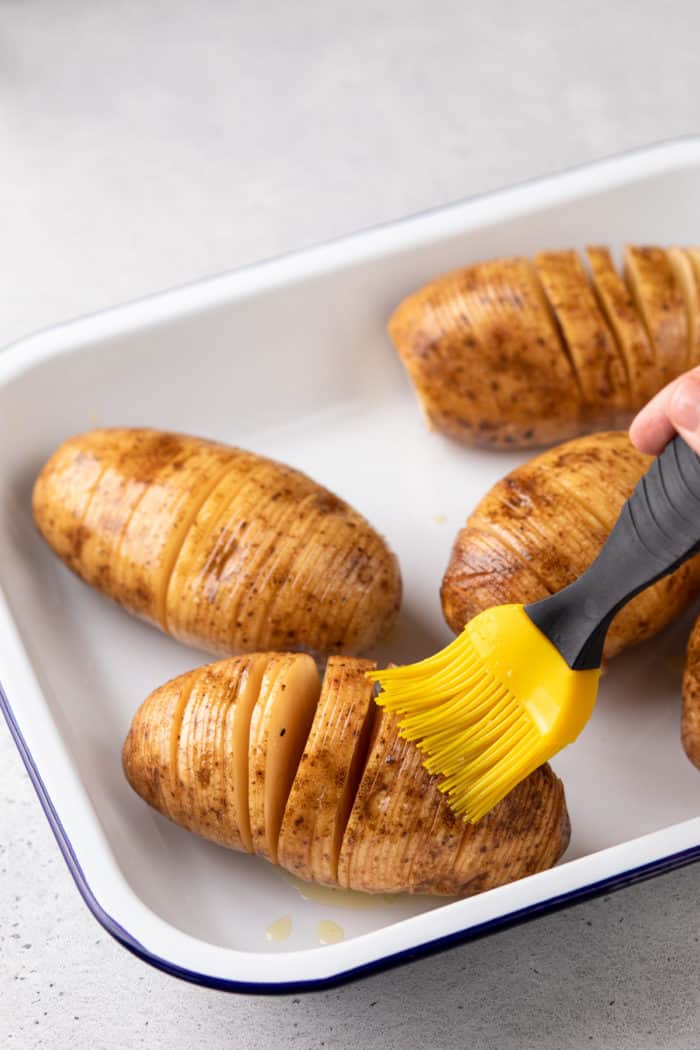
(543, 524)
(255, 753)
(221, 548)
(690, 719)
(518, 353)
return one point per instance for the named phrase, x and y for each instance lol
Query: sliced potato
(659, 300)
(403, 837)
(279, 728)
(505, 354)
(546, 521)
(362, 811)
(600, 370)
(643, 371)
(219, 547)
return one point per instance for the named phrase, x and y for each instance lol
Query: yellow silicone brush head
(490, 708)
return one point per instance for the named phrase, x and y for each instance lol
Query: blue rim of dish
(128, 941)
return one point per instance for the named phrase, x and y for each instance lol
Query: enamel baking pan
(290, 358)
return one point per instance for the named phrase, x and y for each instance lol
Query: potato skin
(659, 297)
(600, 370)
(402, 836)
(543, 524)
(221, 548)
(173, 753)
(690, 719)
(395, 833)
(644, 368)
(507, 354)
(485, 357)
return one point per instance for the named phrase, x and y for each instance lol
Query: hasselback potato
(254, 752)
(543, 524)
(519, 353)
(221, 548)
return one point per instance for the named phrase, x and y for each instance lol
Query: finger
(684, 409)
(651, 429)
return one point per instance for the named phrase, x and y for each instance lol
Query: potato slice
(485, 356)
(692, 302)
(217, 546)
(328, 776)
(206, 758)
(231, 544)
(658, 298)
(279, 729)
(600, 369)
(186, 752)
(402, 835)
(690, 719)
(643, 369)
(385, 828)
(248, 696)
(543, 524)
(685, 281)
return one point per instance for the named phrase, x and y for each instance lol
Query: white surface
(336, 405)
(145, 147)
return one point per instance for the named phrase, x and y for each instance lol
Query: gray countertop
(145, 145)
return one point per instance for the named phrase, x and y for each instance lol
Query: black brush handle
(657, 530)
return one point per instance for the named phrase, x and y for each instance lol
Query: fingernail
(684, 409)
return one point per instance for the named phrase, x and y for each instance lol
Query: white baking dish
(291, 358)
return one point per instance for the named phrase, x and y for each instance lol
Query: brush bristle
(465, 722)
(489, 708)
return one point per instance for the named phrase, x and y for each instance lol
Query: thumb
(684, 409)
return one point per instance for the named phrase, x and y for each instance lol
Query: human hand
(674, 410)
